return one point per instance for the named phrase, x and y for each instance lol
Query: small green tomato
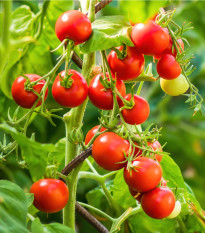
(176, 211)
(174, 87)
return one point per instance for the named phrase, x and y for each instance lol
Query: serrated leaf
(108, 32)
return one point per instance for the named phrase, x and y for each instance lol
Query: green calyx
(66, 81)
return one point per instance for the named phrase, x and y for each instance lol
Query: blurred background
(183, 132)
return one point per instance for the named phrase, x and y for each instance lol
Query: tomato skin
(130, 67)
(139, 113)
(73, 25)
(92, 132)
(135, 194)
(50, 195)
(174, 87)
(26, 99)
(149, 38)
(73, 96)
(168, 68)
(108, 150)
(158, 203)
(101, 98)
(147, 176)
(156, 146)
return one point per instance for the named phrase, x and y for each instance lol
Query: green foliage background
(184, 134)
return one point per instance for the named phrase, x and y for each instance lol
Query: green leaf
(108, 32)
(13, 208)
(35, 154)
(29, 198)
(140, 11)
(36, 226)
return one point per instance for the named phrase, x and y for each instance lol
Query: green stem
(97, 211)
(181, 224)
(73, 119)
(140, 88)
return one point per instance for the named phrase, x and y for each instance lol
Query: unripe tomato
(168, 68)
(169, 49)
(175, 87)
(176, 211)
(26, 99)
(149, 38)
(72, 96)
(130, 67)
(73, 25)
(145, 174)
(139, 113)
(103, 98)
(135, 194)
(92, 132)
(158, 203)
(156, 146)
(50, 195)
(108, 151)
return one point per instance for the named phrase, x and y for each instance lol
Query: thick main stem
(73, 119)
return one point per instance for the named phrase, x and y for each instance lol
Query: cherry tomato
(26, 99)
(145, 174)
(108, 151)
(176, 211)
(139, 113)
(73, 25)
(103, 98)
(169, 49)
(72, 96)
(130, 67)
(135, 194)
(174, 87)
(168, 68)
(149, 38)
(92, 132)
(50, 195)
(158, 203)
(156, 146)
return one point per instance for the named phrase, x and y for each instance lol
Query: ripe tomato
(139, 113)
(73, 96)
(158, 203)
(135, 194)
(92, 132)
(149, 38)
(73, 25)
(26, 99)
(168, 68)
(108, 151)
(146, 176)
(176, 211)
(169, 49)
(130, 67)
(103, 98)
(50, 195)
(174, 87)
(156, 146)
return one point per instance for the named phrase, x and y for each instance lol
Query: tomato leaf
(13, 208)
(108, 32)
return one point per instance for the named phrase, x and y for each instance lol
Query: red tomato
(50, 195)
(156, 146)
(92, 132)
(168, 68)
(135, 194)
(168, 50)
(130, 67)
(108, 151)
(146, 176)
(73, 96)
(103, 98)
(73, 25)
(26, 99)
(149, 38)
(139, 113)
(158, 203)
